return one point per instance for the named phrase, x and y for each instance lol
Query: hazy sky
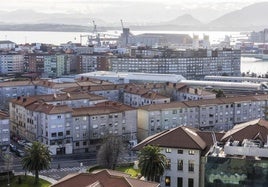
(147, 9)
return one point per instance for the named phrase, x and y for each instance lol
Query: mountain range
(252, 17)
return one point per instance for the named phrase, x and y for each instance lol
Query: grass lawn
(28, 181)
(129, 170)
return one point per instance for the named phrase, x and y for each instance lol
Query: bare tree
(109, 152)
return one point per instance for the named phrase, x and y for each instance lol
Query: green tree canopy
(37, 158)
(109, 152)
(152, 162)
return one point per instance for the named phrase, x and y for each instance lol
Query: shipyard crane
(122, 25)
(126, 37)
(94, 36)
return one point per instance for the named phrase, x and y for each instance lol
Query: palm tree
(37, 158)
(152, 162)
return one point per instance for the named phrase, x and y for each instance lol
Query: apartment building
(7, 45)
(70, 123)
(217, 114)
(43, 63)
(4, 130)
(13, 89)
(93, 62)
(108, 118)
(56, 65)
(190, 63)
(25, 123)
(11, 63)
(137, 96)
(34, 62)
(184, 148)
(112, 92)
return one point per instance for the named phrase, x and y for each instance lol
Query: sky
(136, 10)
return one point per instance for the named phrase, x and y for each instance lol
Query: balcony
(246, 150)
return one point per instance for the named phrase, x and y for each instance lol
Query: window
(77, 144)
(174, 111)
(84, 143)
(168, 150)
(190, 182)
(167, 180)
(191, 165)
(179, 181)
(180, 165)
(180, 151)
(191, 152)
(52, 142)
(95, 126)
(168, 164)
(53, 134)
(59, 116)
(60, 133)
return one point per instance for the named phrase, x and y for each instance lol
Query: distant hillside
(186, 20)
(33, 17)
(44, 27)
(253, 16)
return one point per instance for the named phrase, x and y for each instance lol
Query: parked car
(21, 142)
(12, 147)
(4, 148)
(20, 153)
(28, 145)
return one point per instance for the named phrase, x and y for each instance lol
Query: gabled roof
(249, 130)
(180, 137)
(103, 178)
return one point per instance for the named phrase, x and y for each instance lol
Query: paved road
(62, 165)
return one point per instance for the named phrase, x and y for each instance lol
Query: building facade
(190, 63)
(184, 148)
(11, 63)
(217, 114)
(69, 123)
(237, 157)
(4, 131)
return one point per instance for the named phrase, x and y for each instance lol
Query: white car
(21, 142)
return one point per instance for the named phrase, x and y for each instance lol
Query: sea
(248, 64)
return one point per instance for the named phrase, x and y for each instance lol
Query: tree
(219, 93)
(109, 152)
(37, 158)
(152, 162)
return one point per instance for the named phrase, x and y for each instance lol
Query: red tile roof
(249, 130)
(179, 137)
(182, 137)
(103, 178)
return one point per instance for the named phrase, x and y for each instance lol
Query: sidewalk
(52, 181)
